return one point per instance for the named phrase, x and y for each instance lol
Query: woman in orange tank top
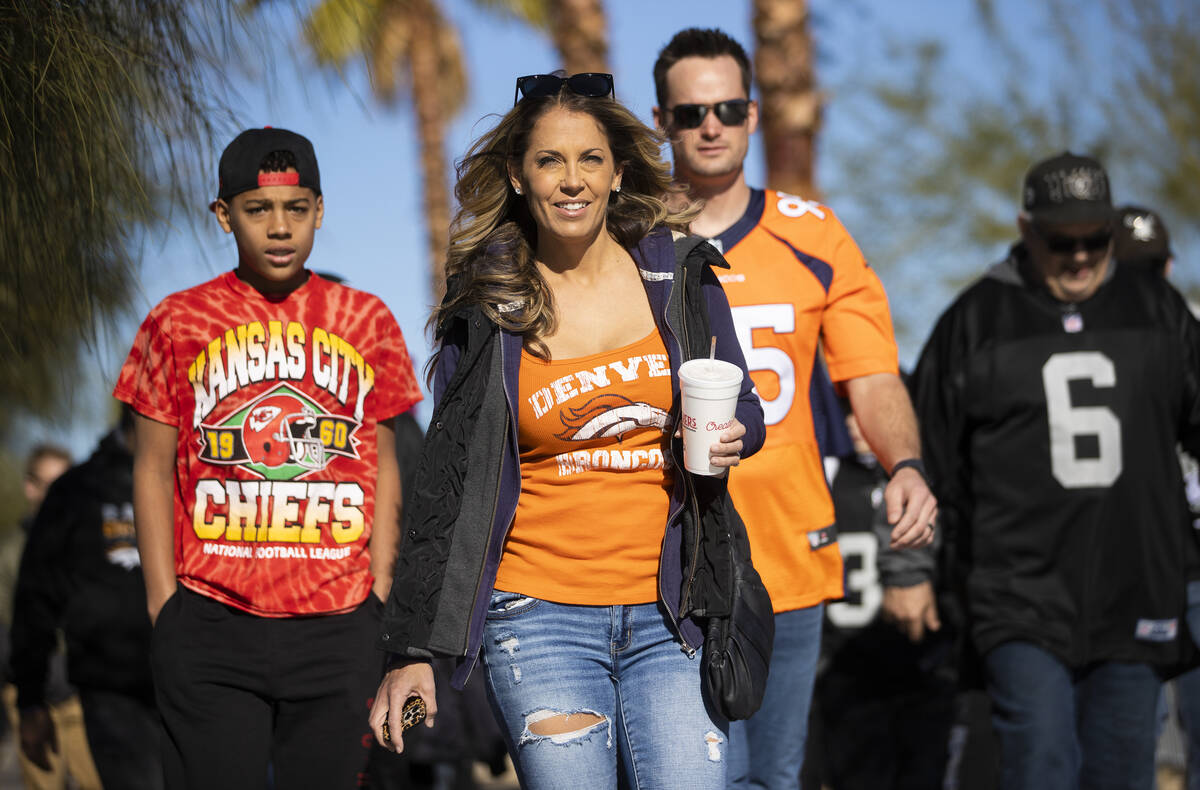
(588, 629)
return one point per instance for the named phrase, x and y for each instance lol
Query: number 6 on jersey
(1068, 422)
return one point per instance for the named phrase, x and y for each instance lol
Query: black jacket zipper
(691, 493)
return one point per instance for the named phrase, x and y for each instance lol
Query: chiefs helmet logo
(283, 430)
(262, 416)
(282, 435)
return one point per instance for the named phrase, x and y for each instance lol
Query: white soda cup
(709, 389)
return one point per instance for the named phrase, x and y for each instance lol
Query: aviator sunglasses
(592, 84)
(731, 112)
(1066, 245)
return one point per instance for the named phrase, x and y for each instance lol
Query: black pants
(875, 739)
(237, 692)
(125, 737)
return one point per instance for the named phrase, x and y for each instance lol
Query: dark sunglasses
(593, 84)
(731, 112)
(1066, 245)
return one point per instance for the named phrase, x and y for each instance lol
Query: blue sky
(373, 233)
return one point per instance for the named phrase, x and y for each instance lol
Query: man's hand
(912, 609)
(410, 680)
(885, 417)
(36, 731)
(911, 510)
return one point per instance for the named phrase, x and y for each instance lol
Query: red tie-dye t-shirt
(276, 403)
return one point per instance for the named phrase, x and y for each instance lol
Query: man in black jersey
(1052, 394)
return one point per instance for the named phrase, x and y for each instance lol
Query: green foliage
(98, 101)
(535, 13)
(936, 163)
(337, 30)
(1158, 98)
(381, 33)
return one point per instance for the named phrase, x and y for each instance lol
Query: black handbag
(737, 647)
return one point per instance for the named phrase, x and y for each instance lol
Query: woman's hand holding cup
(728, 449)
(712, 435)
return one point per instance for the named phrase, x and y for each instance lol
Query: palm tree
(101, 102)
(412, 39)
(791, 104)
(578, 28)
(406, 42)
(580, 32)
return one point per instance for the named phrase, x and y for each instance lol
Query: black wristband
(910, 463)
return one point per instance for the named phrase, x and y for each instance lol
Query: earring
(617, 188)
(517, 190)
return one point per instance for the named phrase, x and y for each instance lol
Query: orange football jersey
(797, 281)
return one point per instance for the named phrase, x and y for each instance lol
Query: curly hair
(493, 237)
(278, 162)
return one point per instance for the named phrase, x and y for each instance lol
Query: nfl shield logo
(1156, 630)
(1072, 322)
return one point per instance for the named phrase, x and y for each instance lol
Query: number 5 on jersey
(781, 319)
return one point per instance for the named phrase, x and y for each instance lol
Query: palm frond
(98, 101)
(535, 13)
(338, 30)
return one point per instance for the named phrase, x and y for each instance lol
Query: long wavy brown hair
(493, 236)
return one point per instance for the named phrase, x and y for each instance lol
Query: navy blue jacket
(467, 487)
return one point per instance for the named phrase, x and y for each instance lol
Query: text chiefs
(280, 512)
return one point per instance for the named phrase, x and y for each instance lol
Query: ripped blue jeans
(587, 693)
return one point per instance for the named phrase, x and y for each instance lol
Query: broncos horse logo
(609, 415)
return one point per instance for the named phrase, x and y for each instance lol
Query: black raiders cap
(1067, 189)
(239, 168)
(1140, 237)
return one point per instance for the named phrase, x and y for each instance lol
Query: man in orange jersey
(797, 280)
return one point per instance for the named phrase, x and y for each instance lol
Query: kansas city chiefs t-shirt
(276, 402)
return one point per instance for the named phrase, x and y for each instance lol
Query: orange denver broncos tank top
(594, 484)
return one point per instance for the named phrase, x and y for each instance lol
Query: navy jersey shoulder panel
(820, 269)
(829, 424)
(746, 223)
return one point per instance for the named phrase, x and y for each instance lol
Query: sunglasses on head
(731, 112)
(1065, 245)
(592, 84)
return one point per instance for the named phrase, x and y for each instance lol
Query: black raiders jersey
(1050, 432)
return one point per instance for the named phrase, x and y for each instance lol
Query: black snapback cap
(1067, 189)
(240, 162)
(1140, 237)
